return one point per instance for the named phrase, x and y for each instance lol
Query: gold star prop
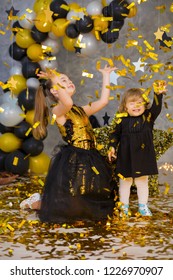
(159, 34)
(48, 13)
(12, 83)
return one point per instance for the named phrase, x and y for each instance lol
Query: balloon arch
(37, 34)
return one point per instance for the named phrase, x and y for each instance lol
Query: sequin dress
(79, 182)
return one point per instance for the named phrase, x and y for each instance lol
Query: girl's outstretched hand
(48, 74)
(107, 69)
(160, 86)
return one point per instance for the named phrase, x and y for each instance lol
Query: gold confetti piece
(41, 182)
(121, 176)
(95, 170)
(53, 119)
(10, 227)
(65, 7)
(1, 110)
(148, 45)
(28, 131)
(36, 124)
(131, 43)
(121, 115)
(96, 93)
(161, 8)
(22, 223)
(145, 97)
(2, 32)
(109, 60)
(167, 188)
(98, 65)
(171, 8)
(86, 74)
(106, 18)
(15, 161)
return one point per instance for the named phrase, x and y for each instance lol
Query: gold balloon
(99, 24)
(17, 83)
(59, 26)
(39, 164)
(69, 43)
(132, 12)
(43, 22)
(9, 142)
(41, 5)
(35, 52)
(30, 116)
(24, 38)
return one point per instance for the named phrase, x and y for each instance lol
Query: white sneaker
(27, 203)
(144, 210)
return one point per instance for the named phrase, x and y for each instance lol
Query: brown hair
(41, 110)
(132, 94)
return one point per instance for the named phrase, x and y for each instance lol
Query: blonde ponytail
(41, 114)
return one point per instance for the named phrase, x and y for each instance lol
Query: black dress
(136, 155)
(78, 185)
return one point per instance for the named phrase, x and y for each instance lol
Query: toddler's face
(135, 107)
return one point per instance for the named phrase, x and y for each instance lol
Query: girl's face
(62, 82)
(135, 107)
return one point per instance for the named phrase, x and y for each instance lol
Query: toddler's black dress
(78, 185)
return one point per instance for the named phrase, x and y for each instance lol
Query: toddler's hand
(111, 154)
(160, 86)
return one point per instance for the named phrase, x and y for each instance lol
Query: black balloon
(16, 52)
(109, 37)
(2, 160)
(21, 130)
(58, 12)
(32, 146)
(16, 25)
(29, 68)
(4, 129)
(105, 11)
(118, 9)
(116, 24)
(17, 162)
(85, 24)
(26, 98)
(71, 31)
(37, 35)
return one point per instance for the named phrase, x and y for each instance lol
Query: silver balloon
(71, 16)
(11, 114)
(8, 97)
(26, 18)
(90, 43)
(94, 8)
(32, 82)
(53, 46)
(16, 70)
(46, 63)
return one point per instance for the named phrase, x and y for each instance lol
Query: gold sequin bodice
(77, 130)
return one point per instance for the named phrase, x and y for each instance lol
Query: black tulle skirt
(78, 187)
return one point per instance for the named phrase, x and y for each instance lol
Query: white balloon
(94, 8)
(32, 82)
(48, 64)
(16, 70)
(52, 44)
(52, 36)
(8, 97)
(26, 19)
(71, 16)
(11, 114)
(91, 44)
